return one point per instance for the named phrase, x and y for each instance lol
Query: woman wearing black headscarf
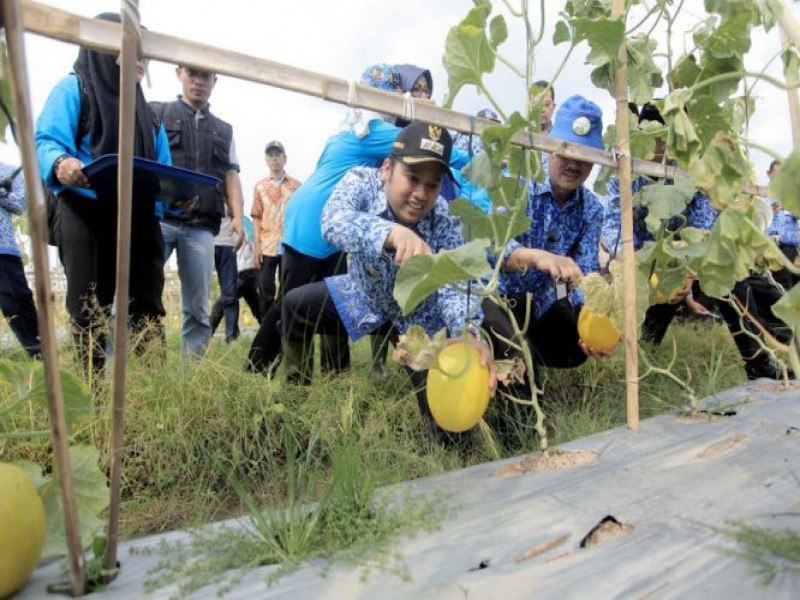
(79, 123)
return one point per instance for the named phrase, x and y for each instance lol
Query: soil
(536, 463)
(721, 447)
(608, 530)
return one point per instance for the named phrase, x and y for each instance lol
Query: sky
(342, 38)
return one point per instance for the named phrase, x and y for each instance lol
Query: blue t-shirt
(302, 226)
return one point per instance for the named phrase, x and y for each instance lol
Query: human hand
(257, 259)
(237, 229)
(405, 244)
(69, 173)
(696, 308)
(557, 266)
(594, 353)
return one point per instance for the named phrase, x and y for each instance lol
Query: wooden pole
(101, 35)
(626, 206)
(789, 25)
(12, 17)
(129, 14)
(794, 102)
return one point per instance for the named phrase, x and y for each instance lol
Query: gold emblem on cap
(581, 126)
(435, 132)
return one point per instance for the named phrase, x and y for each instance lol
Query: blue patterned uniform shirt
(357, 220)
(699, 214)
(570, 230)
(784, 226)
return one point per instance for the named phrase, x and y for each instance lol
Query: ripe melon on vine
(21, 528)
(458, 388)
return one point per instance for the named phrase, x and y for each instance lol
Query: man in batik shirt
(560, 247)
(381, 218)
(269, 206)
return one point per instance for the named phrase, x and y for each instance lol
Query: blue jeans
(195, 248)
(225, 262)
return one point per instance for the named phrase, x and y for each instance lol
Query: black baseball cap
(488, 113)
(274, 145)
(421, 142)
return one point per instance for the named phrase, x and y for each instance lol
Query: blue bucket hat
(580, 121)
(383, 77)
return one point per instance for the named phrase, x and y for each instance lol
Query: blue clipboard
(173, 185)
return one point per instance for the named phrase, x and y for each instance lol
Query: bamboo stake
(127, 114)
(794, 102)
(61, 25)
(790, 25)
(626, 207)
(12, 17)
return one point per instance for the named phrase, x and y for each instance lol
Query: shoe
(766, 369)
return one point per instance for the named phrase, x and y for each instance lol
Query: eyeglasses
(421, 89)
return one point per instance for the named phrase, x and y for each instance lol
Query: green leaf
(664, 201)
(603, 77)
(468, 54)
(787, 309)
(91, 499)
(420, 276)
(683, 143)
(784, 185)
(77, 400)
(721, 171)
(604, 35)
(708, 118)
(642, 136)
(791, 67)
(498, 31)
(685, 72)
(712, 67)
(730, 39)
(771, 11)
(507, 224)
(736, 246)
(643, 73)
(561, 33)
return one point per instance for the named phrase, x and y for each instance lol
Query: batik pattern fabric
(269, 204)
(357, 219)
(572, 229)
(12, 202)
(784, 227)
(699, 214)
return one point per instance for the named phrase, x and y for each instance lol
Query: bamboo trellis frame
(105, 36)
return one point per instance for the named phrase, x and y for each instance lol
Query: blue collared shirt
(698, 213)
(572, 229)
(784, 226)
(357, 219)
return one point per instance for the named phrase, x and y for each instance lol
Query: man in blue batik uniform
(560, 247)
(784, 230)
(382, 217)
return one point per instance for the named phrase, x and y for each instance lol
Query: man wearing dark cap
(270, 198)
(382, 217)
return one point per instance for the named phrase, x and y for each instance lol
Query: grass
(208, 441)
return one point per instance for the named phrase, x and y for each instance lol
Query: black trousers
(16, 303)
(87, 237)
(309, 309)
(298, 269)
(270, 265)
(553, 342)
(247, 288)
(785, 277)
